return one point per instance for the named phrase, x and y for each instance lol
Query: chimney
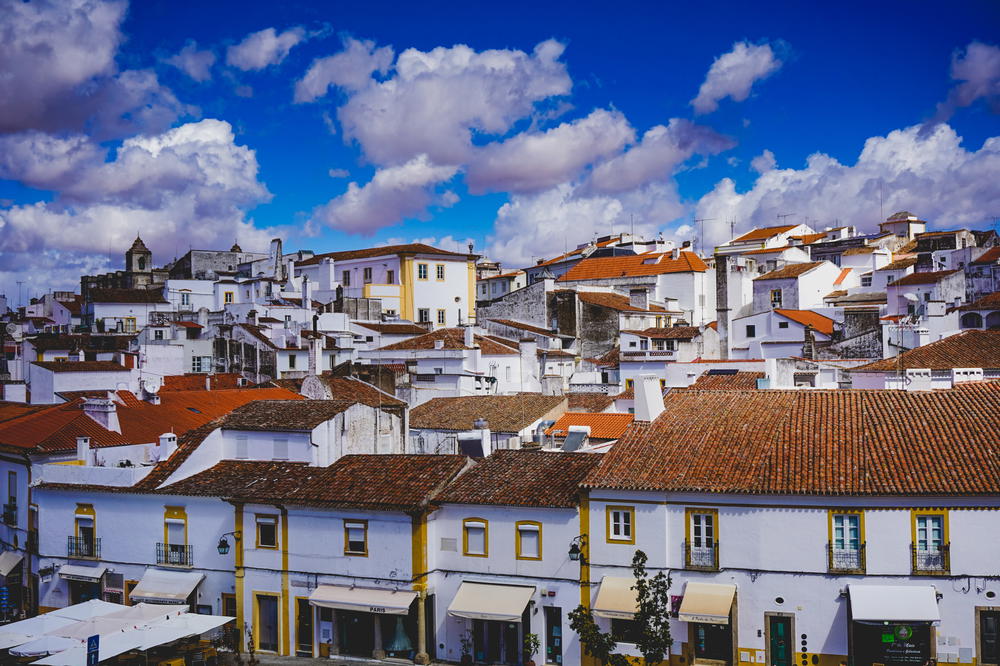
(166, 445)
(104, 412)
(809, 344)
(307, 292)
(648, 398)
(203, 317)
(722, 303)
(675, 253)
(275, 258)
(316, 355)
(530, 366)
(439, 344)
(252, 317)
(208, 382)
(639, 298)
(469, 337)
(289, 270)
(327, 275)
(83, 449)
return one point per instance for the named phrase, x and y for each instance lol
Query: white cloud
(339, 173)
(734, 73)
(656, 157)
(196, 64)
(932, 175)
(350, 69)
(763, 162)
(978, 71)
(529, 162)
(435, 101)
(393, 194)
(59, 72)
(263, 48)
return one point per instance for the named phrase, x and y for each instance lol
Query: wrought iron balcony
(173, 554)
(931, 562)
(84, 547)
(10, 514)
(701, 558)
(846, 560)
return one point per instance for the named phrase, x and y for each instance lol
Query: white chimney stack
(469, 336)
(83, 449)
(439, 344)
(166, 445)
(104, 412)
(648, 398)
(307, 291)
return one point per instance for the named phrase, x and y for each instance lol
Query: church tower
(138, 258)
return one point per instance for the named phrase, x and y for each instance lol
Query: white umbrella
(84, 629)
(17, 633)
(143, 613)
(44, 645)
(110, 646)
(87, 609)
(10, 639)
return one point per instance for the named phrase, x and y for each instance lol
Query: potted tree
(466, 641)
(532, 644)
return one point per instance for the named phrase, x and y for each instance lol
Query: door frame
(734, 638)
(791, 635)
(298, 627)
(979, 626)
(256, 620)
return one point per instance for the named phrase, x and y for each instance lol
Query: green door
(780, 629)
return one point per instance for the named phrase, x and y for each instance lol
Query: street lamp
(223, 546)
(576, 549)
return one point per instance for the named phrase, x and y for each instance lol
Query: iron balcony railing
(846, 560)
(931, 561)
(83, 547)
(701, 558)
(174, 554)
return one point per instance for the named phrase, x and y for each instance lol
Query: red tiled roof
(669, 333)
(764, 233)
(522, 478)
(578, 251)
(387, 250)
(618, 302)
(741, 380)
(13, 410)
(899, 264)
(602, 425)
(809, 239)
(588, 402)
(844, 272)
(926, 277)
(991, 256)
(80, 366)
(526, 327)
(819, 322)
(188, 324)
(602, 268)
(771, 250)
(858, 250)
(610, 358)
(814, 442)
(453, 338)
(503, 413)
(986, 302)
(126, 296)
(790, 271)
(969, 349)
(394, 329)
(196, 382)
(387, 482)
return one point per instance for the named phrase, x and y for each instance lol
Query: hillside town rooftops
(393, 329)
(527, 327)
(588, 402)
(991, 256)
(603, 268)
(522, 478)
(790, 271)
(899, 264)
(743, 380)
(764, 233)
(925, 277)
(281, 415)
(669, 333)
(606, 299)
(503, 413)
(969, 349)
(450, 339)
(604, 425)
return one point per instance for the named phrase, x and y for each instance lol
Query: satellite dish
(151, 384)
(910, 296)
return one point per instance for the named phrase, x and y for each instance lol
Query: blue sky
(189, 123)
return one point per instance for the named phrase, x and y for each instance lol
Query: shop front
(12, 591)
(85, 582)
(892, 625)
(167, 587)
(708, 610)
(498, 615)
(365, 622)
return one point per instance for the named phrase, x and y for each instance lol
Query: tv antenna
(701, 231)
(781, 216)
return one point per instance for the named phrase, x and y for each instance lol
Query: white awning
(8, 560)
(159, 586)
(898, 603)
(707, 603)
(616, 598)
(363, 599)
(482, 601)
(78, 572)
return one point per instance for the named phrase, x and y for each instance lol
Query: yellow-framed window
(421, 271)
(930, 544)
(227, 297)
(620, 523)
(476, 537)
(267, 530)
(701, 538)
(528, 540)
(441, 316)
(439, 272)
(846, 529)
(356, 537)
(629, 384)
(130, 324)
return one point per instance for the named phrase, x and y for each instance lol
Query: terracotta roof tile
(588, 402)
(602, 268)
(81, 366)
(991, 256)
(986, 302)
(504, 413)
(453, 338)
(969, 349)
(821, 323)
(899, 264)
(669, 333)
(844, 272)
(385, 251)
(610, 358)
(126, 296)
(790, 271)
(394, 329)
(602, 426)
(283, 415)
(925, 277)
(764, 233)
(196, 382)
(740, 380)
(814, 442)
(809, 239)
(522, 478)
(858, 250)
(618, 302)
(526, 327)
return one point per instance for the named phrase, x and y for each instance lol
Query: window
(439, 271)
(643, 344)
(782, 324)
(267, 531)
(702, 545)
(366, 275)
(345, 278)
(12, 488)
(421, 271)
(930, 542)
(158, 334)
(227, 297)
(280, 449)
(529, 540)
(356, 537)
(201, 363)
(775, 298)
(927, 297)
(441, 316)
(84, 543)
(242, 448)
(475, 536)
(866, 280)
(629, 384)
(751, 331)
(185, 298)
(625, 631)
(292, 358)
(174, 537)
(129, 324)
(845, 542)
(423, 315)
(620, 524)
(390, 277)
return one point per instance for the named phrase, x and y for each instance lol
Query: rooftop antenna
(881, 200)
(701, 231)
(781, 216)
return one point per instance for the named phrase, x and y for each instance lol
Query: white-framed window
(775, 298)
(846, 531)
(267, 531)
(421, 271)
(185, 298)
(441, 316)
(703, 535)
(424, 315)
(201, 363)
(280, 449)
(930, 532)
(242, 447)
(621, 520)
(227, 297)
(292, 360)
(356, 537)
(866, 280)
(529, 540)
(702, 530)
(439, 271)
(158, 334)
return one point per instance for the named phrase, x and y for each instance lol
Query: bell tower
(138, 258)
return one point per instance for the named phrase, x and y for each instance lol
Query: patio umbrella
(44, 645)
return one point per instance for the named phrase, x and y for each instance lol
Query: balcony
(83, 547)
(31, 545)
(846, 560)
(936, 562)
(701, 558)
(10, 514)
(174, 555)
(650, 355)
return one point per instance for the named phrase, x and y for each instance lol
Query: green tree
(652, 618)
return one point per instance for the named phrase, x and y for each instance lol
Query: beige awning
(707, 602)
(616, 598)
(363, 599)
(157, 586)
(8, 560)
(80, 572)
(483, 601)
